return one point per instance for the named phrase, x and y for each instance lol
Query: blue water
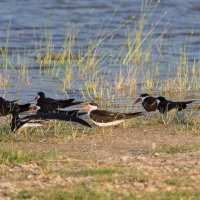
(176, 25)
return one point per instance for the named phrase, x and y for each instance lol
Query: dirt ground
(124, 148)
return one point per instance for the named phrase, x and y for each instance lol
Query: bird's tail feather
(184, 102)
(132, 115)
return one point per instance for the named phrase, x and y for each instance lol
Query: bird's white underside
(108, 123)
(32, 125)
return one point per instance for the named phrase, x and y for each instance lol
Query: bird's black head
(161, 98)
(144, 95)
(41, 94)
(2, 99)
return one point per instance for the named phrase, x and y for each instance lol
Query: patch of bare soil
(124, 148)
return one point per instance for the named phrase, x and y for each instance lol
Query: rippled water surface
(26, 25)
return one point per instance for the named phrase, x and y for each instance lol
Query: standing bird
(39, 120)
(7, 106)
(106, 118)
(52, 104)
(167, 106)
(147, 101)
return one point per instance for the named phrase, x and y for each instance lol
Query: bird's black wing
(47, 107)
(147, 104)
(132, 115)
(55, 116)
(49, 102)
(163, 107)
(177, 105)
(166, 106)
(184, 102)
(22, 108)
(70, 104)
(182, 105)
(67, 112)
(104, 116)
(5, 109)
(71, 112)
(27, 105)
(66, 101)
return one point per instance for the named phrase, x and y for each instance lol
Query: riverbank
(147, 162)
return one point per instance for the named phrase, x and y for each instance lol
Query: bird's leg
(25, 133)
(47, 127)
(101, 128)
(18, 132)
(157, 113)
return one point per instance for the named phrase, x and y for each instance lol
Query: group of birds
(46, 109)
(49, 109)
(161, 104)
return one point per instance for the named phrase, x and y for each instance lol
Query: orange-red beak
(154, 103)
(137, 100)
(32, 109)
(86, 108)
(36, 98)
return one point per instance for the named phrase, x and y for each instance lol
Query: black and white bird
(7, 106)
(167, 106)
(52, 104)
(104, 118)
(40, 110)
(147, 103)
(40, 119)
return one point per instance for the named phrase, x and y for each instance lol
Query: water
(178, 26)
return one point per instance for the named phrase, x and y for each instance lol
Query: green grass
(174, 182)
(62, 131)
(91, 188)
(174, 149)
(84, 172)
(102, 175)
(4, 173)
(92, 194)
(62, 195)
(95, 172)
(56, 131)
(177, 195)
(180, 182)
(12, 156)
